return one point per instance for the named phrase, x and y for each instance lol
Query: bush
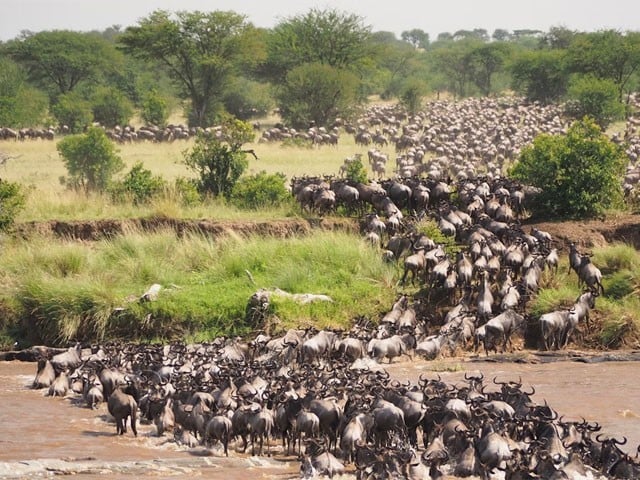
(356, 172)
(219, 161)
(155, 110)
(91, 160)
(110, 107)
(411, 94)
(73, 111)
(580, 173)
(260, 190)
(246, 99)
(12, 200)
(186, 190)
(139, 186)
(596, 98)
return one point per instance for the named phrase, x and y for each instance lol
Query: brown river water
(42, 436)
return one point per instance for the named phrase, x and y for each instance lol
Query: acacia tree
(486, 60)
(313, 57)
(606, 54)
(60, 60)
(579, 174)
(416, 37)
(540, 75)
(201, 52)
(454, 61)
(316, 94)
(327, 37)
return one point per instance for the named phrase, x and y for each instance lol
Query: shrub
(186, 190)
(219, 161)
(73, 111)
(580, 173)
(246, 99)
(91, 160)
(260, 190)
(12, 200)
(110, 107)
(596, 98)
(356, 172)
(411, 94)
(155, 110)
(139, 186)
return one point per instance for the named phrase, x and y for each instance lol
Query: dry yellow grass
(37, 165)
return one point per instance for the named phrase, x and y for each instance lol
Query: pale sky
(382, 15)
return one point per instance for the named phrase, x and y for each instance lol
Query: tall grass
(77, 291)
(615, 321)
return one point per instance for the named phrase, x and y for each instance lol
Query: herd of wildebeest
(324, 395)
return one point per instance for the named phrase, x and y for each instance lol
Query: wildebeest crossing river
(41, 436)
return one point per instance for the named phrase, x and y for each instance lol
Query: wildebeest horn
(498, 383)
(623, 442)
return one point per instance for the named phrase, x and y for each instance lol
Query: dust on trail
(42, 436)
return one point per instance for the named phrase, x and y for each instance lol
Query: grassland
(39, 167)
(56, 290)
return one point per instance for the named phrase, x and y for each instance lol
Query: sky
(394, 16)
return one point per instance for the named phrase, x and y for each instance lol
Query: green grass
(57, 291)
(616, 317)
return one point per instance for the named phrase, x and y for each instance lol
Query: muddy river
(42, 436)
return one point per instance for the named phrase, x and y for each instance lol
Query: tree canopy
(60, 60)
(328, 37)
(201, 52)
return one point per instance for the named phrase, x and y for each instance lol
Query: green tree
(73, 111)
(20, 104)
(416, 37)
(475, 34)
(579, 174)
(60, 60)
(260, 190)
(316, 94)
(219, 160)
(558, 38)
(412, 94)
(201, 52)
(486, 60)
(392, 62)
(540, 75)
(327, 37)
(501, 35)
(246, 98)
(606, 54)
(596, 98)
(12, 200)
(454, 61)
(110, 107)
(91, 160)
(155, 109)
